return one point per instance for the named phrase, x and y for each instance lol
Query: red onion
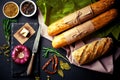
(20, 54)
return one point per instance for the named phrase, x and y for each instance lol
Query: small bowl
(28, 8)
(10, 9)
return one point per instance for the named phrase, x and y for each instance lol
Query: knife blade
(34, 50)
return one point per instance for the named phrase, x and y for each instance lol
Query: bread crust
(98, 22)
(104, 19)
(101, 6)
(91, 51)
(81, 16)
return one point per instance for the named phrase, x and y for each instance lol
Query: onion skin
(20, 54)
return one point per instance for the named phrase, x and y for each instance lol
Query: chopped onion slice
(20, 54)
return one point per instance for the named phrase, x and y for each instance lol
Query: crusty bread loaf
(91, 51)
(84, 29)
(79, 16)
(101, 6)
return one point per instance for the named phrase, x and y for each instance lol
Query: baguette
(91, 51)
(84, 29)
(79, 16)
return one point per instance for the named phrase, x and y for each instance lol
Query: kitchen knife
(34, 50)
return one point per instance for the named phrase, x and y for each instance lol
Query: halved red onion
(20, 54)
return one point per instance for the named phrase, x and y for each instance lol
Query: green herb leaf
(53, 52)
(60, 72)
(37, 78)
(64, 65)
(4, 49)
(7, 28)
(48, 77)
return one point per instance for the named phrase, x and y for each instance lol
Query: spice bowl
(28, 8)
(10, 9)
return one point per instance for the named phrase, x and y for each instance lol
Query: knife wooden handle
(29, 69)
